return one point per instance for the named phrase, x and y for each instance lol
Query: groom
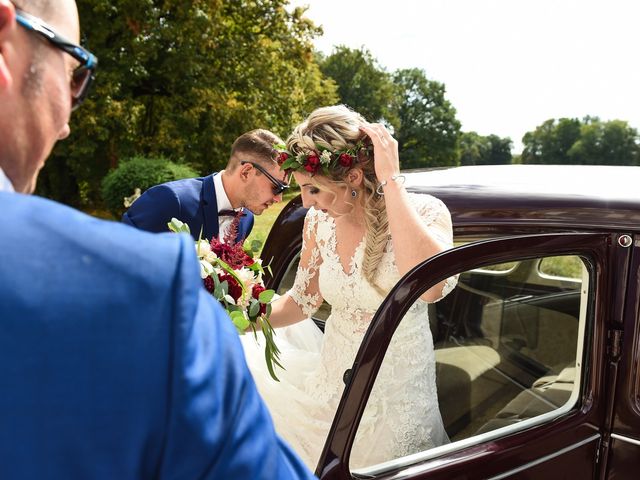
(114, 361)
(251, 182)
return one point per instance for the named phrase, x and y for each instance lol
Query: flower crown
(321, 159)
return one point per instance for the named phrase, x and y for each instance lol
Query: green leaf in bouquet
(266, 296)
(239, 320)
(229, 299)
(178, 226)
(221, 289)
(271, 351)
(254, 308)
(233, 273)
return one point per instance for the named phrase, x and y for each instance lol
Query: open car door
(521, 347)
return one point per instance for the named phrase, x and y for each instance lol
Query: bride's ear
(355, 177)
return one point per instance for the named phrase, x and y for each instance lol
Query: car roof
(566, 196)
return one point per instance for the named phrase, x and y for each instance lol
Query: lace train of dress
(402, 415)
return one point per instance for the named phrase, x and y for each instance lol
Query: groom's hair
(259, 144)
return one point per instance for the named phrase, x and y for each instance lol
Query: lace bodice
(321, 274)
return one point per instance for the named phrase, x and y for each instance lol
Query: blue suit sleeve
(153, 210)
(218, 426)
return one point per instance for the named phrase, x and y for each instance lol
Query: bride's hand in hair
(385, 151)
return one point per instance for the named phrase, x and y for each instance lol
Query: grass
(262, 223)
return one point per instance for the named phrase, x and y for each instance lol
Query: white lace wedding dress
(402, 415)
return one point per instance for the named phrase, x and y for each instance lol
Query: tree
(606, 143)
(425, 122)
(551, 141)
(362, 84)
(478, 150)
(181, 80)
(586, 142)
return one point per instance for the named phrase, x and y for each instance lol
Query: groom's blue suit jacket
(192, 200)
(114, 361)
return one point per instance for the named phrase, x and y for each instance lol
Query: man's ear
(244, 170)
(7, 24)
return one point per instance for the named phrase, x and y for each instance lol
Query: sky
(507, 65)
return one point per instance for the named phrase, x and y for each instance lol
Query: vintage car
(538, 346)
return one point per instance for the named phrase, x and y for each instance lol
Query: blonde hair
(338, 128)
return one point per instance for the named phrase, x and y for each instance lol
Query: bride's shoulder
(427, 205)
(314, 220)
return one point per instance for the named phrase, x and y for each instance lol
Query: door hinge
(615, 344)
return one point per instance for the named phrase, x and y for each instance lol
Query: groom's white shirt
(5, 183)
(223, 204)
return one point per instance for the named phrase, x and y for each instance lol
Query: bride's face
(322, 194)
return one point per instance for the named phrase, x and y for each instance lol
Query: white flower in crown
(325, 158)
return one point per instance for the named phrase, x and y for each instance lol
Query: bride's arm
(303, 299)
(414, 240)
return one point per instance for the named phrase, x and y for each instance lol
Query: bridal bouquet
(234, 278)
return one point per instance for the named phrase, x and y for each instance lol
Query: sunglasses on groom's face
(84, 74)
(278, 186)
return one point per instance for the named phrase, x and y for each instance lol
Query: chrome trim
(626, 439)
(548, 457)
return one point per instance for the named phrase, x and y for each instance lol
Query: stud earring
(354, 194)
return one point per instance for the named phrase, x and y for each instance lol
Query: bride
(362, 232)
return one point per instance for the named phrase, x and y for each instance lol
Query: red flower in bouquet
(257, 290)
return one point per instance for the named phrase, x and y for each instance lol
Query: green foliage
(142, 173)
(587, 142)
(606, 143)
(363, 85)
(182, 79)
(551, 141)
(479, 150)
(425, 122)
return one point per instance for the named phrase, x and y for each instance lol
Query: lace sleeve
(437, 219)
(306, 290)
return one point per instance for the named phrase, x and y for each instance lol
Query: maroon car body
(537, 349)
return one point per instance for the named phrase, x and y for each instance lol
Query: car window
(506, 354)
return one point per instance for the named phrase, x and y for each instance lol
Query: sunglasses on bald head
(278, 186)
(84, 74)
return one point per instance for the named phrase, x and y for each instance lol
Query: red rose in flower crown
(234, 278)
(323, 158)
(282, 157)
(345, 160)
(313, 163)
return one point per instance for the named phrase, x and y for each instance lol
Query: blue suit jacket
(114, 361)
(192, 200)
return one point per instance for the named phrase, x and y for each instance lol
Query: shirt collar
(5, 183)
(221, 196)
